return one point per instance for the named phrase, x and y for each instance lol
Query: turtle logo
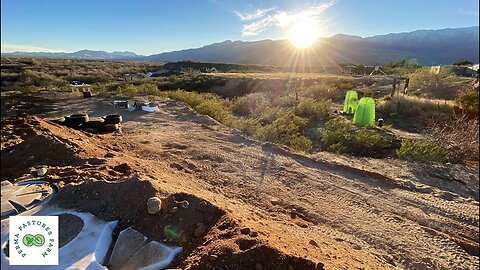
(33, 240)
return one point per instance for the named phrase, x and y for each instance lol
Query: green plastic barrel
(365, 113)
(351, 102)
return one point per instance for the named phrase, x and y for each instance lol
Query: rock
(42, 171)
(245, 230)
(184, 204)
(253, 234)
(154, 205)
(313, 243)
(200, 230)
(258, 266)
(275, 201)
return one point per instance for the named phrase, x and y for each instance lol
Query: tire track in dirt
(406, 225)
(362, 200)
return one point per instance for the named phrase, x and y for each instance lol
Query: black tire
(60, 121)
(110, 127)
(113, 119)
(91, 130)
(94, 124)
(76, 120)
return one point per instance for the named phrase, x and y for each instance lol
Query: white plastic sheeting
(87, 250)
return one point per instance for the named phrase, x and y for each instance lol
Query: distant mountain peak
(430, 47)
(345, 36)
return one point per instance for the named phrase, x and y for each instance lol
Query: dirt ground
(251, 205)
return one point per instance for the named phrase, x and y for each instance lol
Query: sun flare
(304, 33)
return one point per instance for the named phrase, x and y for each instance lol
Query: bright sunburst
(304, 33)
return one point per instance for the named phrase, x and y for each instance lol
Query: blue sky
(149, 26)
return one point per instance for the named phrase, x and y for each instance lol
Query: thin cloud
(283, 19)
(25, 48)
(259, 13)
(468, 12)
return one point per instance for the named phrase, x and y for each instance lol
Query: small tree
(463, 63)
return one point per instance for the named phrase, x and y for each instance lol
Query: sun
(304, 33)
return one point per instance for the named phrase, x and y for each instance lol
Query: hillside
(82, 54)
(428, 46)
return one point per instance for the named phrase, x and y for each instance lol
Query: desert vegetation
(300, 111)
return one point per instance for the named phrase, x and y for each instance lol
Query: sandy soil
(305, 210)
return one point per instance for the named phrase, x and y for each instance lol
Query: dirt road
(347, 213)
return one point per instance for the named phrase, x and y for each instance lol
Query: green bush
(192, 98)
(212, 108)
(341, 136)
(251, 105)
(286, 129)
(312, 109)
(209, 104)
(248, 126)
(468, 102)
(422, 150)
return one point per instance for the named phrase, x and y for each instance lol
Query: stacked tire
(93, 126)
(76, 121)
(111, 123)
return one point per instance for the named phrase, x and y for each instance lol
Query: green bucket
(351, 102)
(365, 113)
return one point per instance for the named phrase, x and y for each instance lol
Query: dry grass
(459, 136)
(411, 106)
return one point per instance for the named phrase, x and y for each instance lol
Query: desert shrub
(287, 101)
(192, 98)
(468, 102)
(212, 108)
(251, 105)
(443, 85)
(147, 89)
(286, 129)
(248, 126)
(90, 79)
(400, 67)
(422, 150)
(312, 109)
(205, 103)
(29, 89)
(459, 136)
(463, 63)
(341, 136)
(191, 72)
(411, 106)
(325, 90)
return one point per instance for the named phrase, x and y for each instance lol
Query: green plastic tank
(365, 113)
(351, 102)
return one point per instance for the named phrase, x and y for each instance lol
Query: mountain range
(82, 54)
(428, 47)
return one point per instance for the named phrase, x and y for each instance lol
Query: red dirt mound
(210, 238)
